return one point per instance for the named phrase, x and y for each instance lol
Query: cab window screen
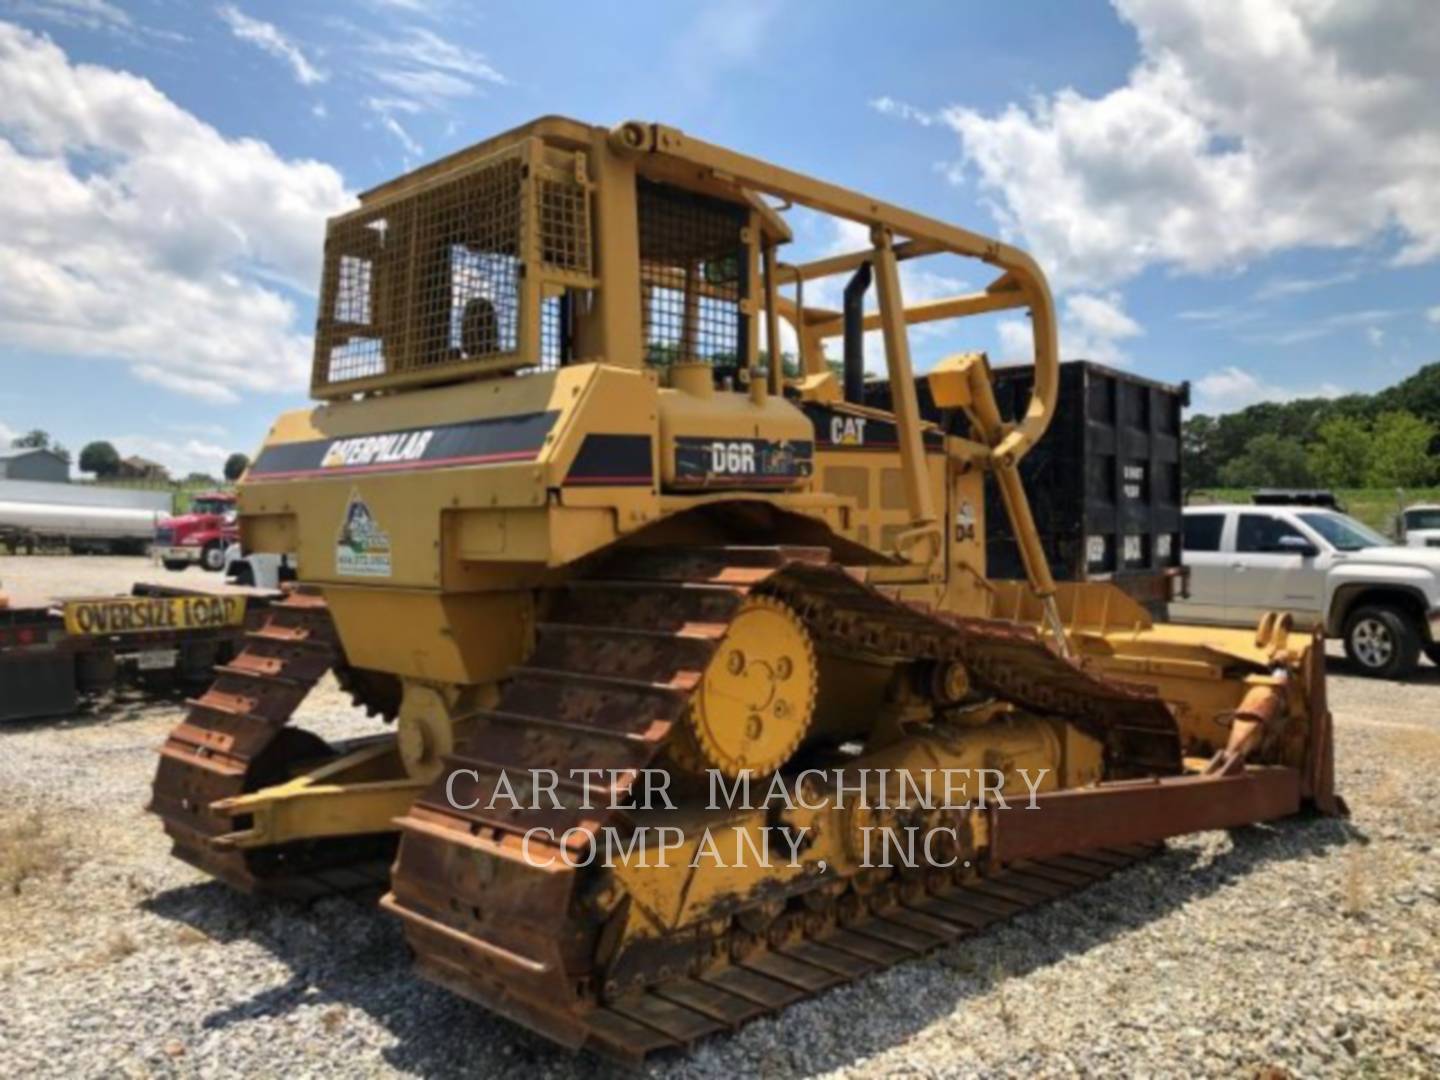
(693, 275)
(1202, 531)
(1259, 533)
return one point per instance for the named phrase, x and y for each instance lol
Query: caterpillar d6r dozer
(652, 603)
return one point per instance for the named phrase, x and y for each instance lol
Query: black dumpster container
(1104, 482)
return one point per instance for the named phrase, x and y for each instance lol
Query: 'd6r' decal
(703, 462)
(734, 458)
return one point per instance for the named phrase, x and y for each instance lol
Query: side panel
(857, 457)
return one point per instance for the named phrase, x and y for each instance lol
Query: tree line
(1387, 439)
(102, 460)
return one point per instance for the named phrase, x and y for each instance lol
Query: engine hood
(1419, 558)
(188, 522)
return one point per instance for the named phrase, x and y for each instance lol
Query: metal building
(30, 463)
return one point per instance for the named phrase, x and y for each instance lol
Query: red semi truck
(200, 535)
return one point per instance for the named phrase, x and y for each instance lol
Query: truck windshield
(1344, 533)
(1422, 519)
(220, 507)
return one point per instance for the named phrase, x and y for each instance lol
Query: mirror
(1295, 545)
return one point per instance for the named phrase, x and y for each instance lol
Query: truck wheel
(175, 564)
(213, 558)
(1381, 642)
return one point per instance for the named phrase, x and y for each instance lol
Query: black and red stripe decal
(612, 461)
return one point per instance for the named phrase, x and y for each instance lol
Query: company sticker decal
(965, 522)
(362, 548)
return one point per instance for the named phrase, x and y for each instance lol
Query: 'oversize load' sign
(143, 614)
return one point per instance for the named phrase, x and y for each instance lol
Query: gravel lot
(1312, 947)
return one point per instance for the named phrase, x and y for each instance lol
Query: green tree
(1269, 461)
(100, 458)
(34, 439)
(235, 466)
(1419, 394)
(1341, 456)
(1198, 445)
(1400, 451)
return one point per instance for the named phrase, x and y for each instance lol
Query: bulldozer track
(676, 1013)
(617, 658)
(234, 739)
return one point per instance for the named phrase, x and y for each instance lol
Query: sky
(1238, 193)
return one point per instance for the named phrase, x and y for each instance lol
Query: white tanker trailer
(81, 526)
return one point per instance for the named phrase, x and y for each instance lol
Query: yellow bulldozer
(702, 701)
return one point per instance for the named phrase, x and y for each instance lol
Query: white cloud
(1100, 318)
(1322, 326)
(1295, 286)
(1092, 327)
(7, 433)
(271, 39)
(918, 282)
(888, 106)
(1375, 335)
(181, 457)
(88, 14)
(386, 108)
(1231, 388)
(720, 38)
(428, 86)
(1017, 343)
(1246, 128)
(212, 429)
(145, 235)
(429, 70)
(412, 7)
(1433, 314)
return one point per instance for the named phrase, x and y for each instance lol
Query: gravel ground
(1312, 947)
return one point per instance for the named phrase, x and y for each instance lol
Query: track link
(235, 740)
(617, 657)
(676, 1013)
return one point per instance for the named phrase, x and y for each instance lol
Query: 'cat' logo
(847, 430)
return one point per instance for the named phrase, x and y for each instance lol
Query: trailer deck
(157, 637)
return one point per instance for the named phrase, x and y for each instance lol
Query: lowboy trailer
(53, 656)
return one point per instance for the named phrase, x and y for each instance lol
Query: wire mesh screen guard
(693, 275)
(436, 281)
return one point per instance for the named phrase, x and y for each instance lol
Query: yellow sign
(144, 614)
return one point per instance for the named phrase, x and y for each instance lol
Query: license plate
(156, 659)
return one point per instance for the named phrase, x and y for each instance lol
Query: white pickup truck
(1325, 569)
(1420, 526)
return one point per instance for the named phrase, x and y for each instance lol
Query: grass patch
(119, 945)
(29, 851)
(998, 975)
(1355, 896)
